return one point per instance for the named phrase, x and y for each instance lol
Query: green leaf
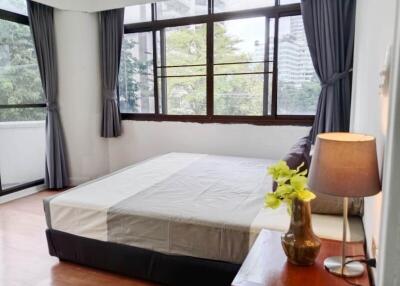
(305, 195)
(298, 182)
(271, 201)
(283, 190)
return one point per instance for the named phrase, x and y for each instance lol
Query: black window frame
(24, 20)
(273, 12)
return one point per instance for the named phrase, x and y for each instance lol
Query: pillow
(322, 204)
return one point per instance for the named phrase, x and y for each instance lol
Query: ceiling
(92, 5)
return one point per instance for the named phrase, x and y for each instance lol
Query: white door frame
(389, 254)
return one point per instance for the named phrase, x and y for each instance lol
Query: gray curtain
(329, 26)
(42, 27)
(111, 33)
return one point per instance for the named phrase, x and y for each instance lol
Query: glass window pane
(185, 95)
(238, 94)
(22, 114)
(298, 85)
(284, 2)
(19, 74)
(239, 68)
(16, 6)
(239, 40)
(239, 52)
(182, 70)
(181, 8)
(22, 152)
(229, 5)
(136, 79)
(137, 13)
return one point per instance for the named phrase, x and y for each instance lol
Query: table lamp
(344, 165)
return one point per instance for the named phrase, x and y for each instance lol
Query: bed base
(140, 263)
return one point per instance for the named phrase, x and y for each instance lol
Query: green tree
(187, 92)
(19, 75)
(233, 94)
(298, 99)
(136, 71)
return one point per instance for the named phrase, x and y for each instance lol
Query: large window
(217, 61)
(22, 104)
(21, 94)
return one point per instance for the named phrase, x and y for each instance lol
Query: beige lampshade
(345, 165)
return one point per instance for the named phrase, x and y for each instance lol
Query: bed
(177, 219)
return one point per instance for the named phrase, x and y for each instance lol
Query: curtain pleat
(111, 34)
(42, 27)
(329, 26)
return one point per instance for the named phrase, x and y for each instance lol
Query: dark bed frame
(174, 270)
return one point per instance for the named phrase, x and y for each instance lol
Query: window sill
(300, 120)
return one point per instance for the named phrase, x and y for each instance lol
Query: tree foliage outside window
(243, 70)
(19, 75)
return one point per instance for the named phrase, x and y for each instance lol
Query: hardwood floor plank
(24, 257)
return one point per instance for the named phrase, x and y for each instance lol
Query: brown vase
(300, 243)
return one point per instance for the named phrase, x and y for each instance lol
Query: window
(239, 67)
(237, 5)
(138, 13)
(233, 61)
(22, 103)
(136, 79)
(298, 85)
(181, 8)
(15, 6)
(20, 85)
(182, 70)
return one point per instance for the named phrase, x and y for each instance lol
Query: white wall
(388, 268)
(22, 146)
(374, 33)
(77, 40)
(142, 139)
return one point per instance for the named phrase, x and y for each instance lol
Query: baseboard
(21, 194)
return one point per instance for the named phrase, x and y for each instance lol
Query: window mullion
(210, 68)
(266, 68)
(163, 62)
(155, 71)
(275, 71)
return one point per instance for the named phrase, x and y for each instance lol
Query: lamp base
(333, 264)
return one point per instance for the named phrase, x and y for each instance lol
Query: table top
(266, 265)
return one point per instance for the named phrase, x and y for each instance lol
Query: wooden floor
(24, 258)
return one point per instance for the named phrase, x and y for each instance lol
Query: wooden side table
(266, 265)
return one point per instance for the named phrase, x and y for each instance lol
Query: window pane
(137, 13)
(16, 6)
(181, 8)
(284, 2)
(182, 70)
(298, 85)
(185, 95)
(239, 40)
(238, 68)
(229, 5)
(136, 79)
(239, 47)
(19, 74)
(22, 114)
(238, 94)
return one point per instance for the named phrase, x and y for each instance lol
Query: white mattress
(187, 204)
